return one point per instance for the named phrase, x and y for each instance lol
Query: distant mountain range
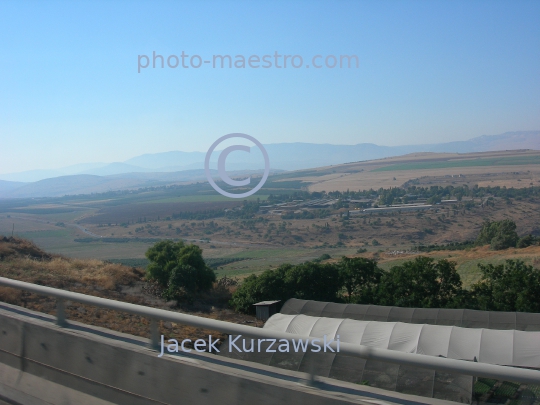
(177, 166)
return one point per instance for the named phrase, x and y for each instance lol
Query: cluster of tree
(179, 269)
(433, 194)
(502, 235)
(422, 283)
(246, 211)
(324, 256)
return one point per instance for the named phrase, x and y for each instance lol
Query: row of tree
(422, 283)
(411, 193)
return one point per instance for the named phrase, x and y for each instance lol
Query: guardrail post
(61, 313)
(154, 334)
(310, 376)
(310, 381)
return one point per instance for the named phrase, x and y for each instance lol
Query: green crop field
(32, 235)
(504, 161)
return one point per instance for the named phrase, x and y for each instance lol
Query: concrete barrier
(42, 363)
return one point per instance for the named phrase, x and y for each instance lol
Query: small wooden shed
(265, 309)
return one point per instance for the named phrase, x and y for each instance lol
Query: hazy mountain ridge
(6, 186)
(177, 167)
(88, 184)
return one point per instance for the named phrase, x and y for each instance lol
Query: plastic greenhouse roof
(503, 347)
(465, 318)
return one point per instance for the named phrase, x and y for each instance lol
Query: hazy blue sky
(430, 71)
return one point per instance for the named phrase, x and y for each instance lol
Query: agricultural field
(506, 168)
(460, 163)
(121, 226)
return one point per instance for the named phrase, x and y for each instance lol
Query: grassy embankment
(24, 261)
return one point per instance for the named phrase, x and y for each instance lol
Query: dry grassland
(21, 260)
(466, 260)
(515, 176)
(364, 175)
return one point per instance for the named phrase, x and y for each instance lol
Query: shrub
(179, 268)
(324, 256)
(526, 241)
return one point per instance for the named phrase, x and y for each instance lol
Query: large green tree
(309, 281)
(314, 281)
(179, 268)
(359, 278)
(270, 285)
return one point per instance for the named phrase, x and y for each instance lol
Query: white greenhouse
(507, 347)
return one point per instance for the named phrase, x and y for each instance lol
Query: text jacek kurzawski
(236, 343)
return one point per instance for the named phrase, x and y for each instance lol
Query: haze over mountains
(176, 166)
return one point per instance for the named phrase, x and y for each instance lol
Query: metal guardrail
(504, 373)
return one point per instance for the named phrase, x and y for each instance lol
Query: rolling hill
(179, 167)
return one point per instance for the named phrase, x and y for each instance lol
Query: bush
(526, 241)
(179, 268)
(324, 256)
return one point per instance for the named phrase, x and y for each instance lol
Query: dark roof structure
(464, 318)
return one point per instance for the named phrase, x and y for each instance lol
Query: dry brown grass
(467, 260)
(10, 295)
(62, 272)
(102, 279)
(16, 247)
(476, 253)
(360, 176)
(23, 260)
